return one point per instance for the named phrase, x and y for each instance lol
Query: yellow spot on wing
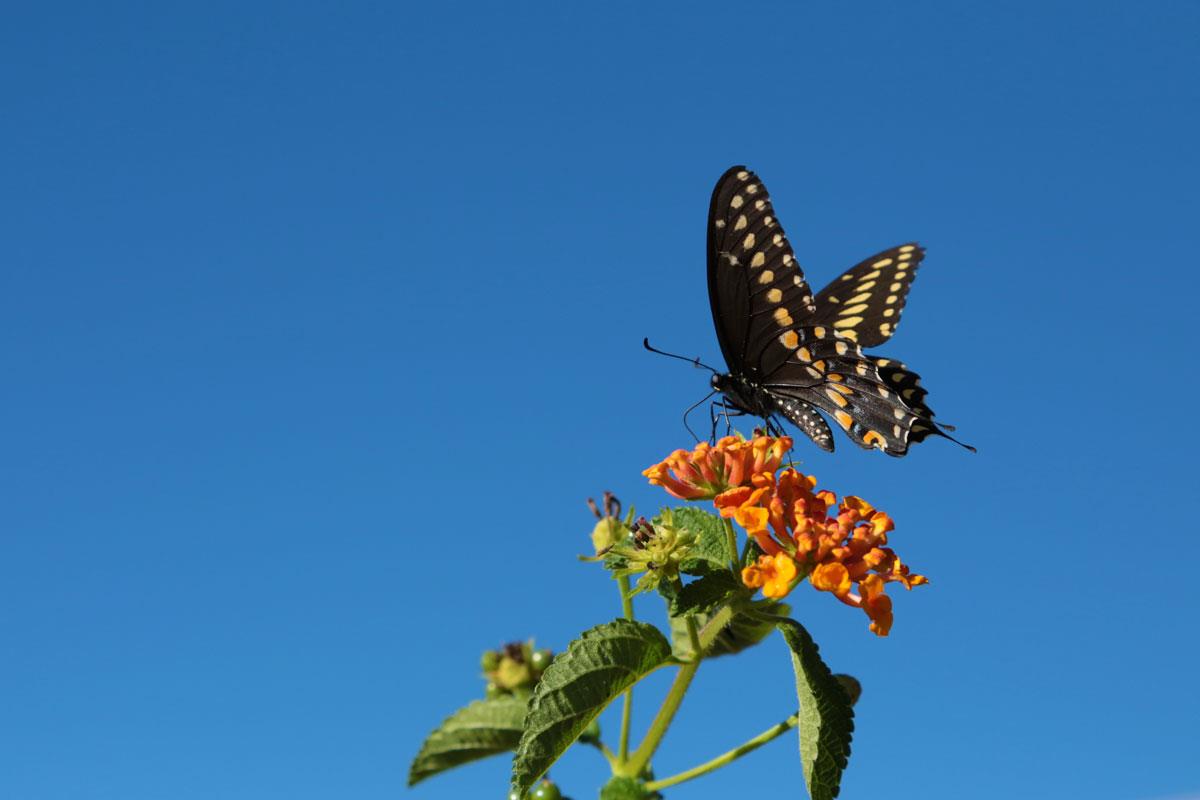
(837, 398)
(908, 248)
(783, 317)
(789, 339)
(883, 262)
(736, 202)
(840, 387)
(859, 298)
(804, 354)
(748, 242)
(874, 438)
(870, 276)
(851, 335)
(895, 287)
(862, 287)
(848, 322)
(758, 260)
(774, 295)
(741, 223)
(819, 332)
(841, 348)
(843, 419)
(767, 276)
(855, 309)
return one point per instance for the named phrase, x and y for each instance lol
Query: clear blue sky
(319, 323)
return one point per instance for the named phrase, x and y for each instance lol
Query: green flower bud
(546, 791)
(540, 660)
(608, 532)
(489, 660)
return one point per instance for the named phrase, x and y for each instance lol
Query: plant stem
(627, 705)
(604, 751)
(636, 763)
(725, 758)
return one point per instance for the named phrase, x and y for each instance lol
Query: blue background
(320, 322)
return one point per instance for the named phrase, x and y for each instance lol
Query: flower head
(654, 549)
(838, 546)
(708, 470)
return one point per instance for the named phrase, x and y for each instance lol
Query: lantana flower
(708, 470)
(840, 547)
(835, 545)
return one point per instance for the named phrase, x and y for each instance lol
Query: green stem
(725, 758)
(604, 751)
(637, 762)
(627, 705)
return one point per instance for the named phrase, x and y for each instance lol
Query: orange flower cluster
(708, 470)
(800, 538)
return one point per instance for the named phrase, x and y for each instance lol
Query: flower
(773, 573)
(708, 470)
(654, 549)
(808, 533)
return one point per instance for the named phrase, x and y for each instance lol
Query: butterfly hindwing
(865, 302)
(829, 371)
(756, 288)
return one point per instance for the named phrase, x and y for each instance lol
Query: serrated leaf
(743, 631)
(593, 670)
(710, 553)
(484, 728)
(826, 716)
(705, 593)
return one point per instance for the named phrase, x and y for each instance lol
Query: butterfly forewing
(756, 288)
(864, 304)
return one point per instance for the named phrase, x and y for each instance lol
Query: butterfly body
(794, 355)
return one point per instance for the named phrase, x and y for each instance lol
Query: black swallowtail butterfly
(790, 353)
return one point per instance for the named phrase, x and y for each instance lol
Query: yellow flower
(773, 574)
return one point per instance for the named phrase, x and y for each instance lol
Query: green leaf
(482, 729)
(826, 716)
(710, 553)
(705, 593)
(595, 668)
(745, 630)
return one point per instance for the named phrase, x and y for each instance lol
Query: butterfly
(797, 355)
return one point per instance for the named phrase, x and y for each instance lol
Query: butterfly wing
(864, 304)
(829, 371)
(755, 286)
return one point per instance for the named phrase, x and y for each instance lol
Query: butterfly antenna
(696, 362)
